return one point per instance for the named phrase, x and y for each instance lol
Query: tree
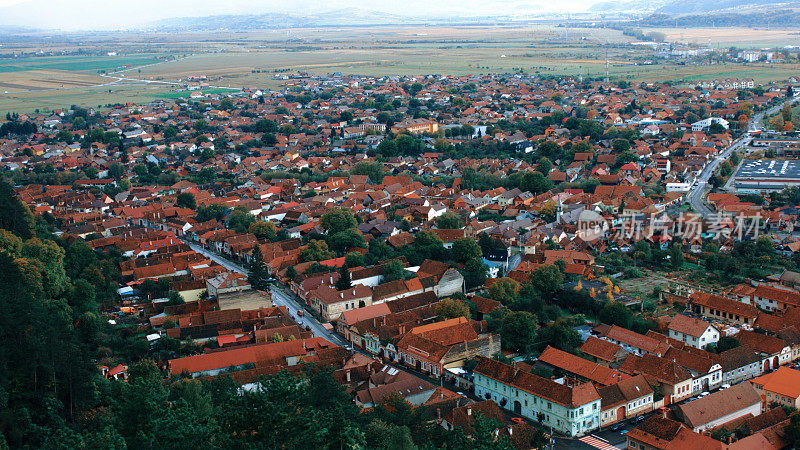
(465, 249)
(186, 200)
(616, 314)
(392, 270)
(240, 219)
(727, 343)
(547, 279)
(559, 335)
(548, 211)
(535, 183)
(451, 308)
(175, 298)
(475, 273)
(343, 283)
(505, 290)
(374, 170)
(116, 171)
(315, 250)
(621, 145)
(263, 230)
(15, 215)
(449, 221)
(257, 274)
(354, 259)
(345, 240)
(338, 219)
(519, 331)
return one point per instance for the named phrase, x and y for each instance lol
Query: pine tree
(344, 279)
(257, 275)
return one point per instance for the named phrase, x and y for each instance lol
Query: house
(662, 433)
(604, 352)
(628, 398)
(331, 303)
(573, 410)
(720, 407)
(716, 307)
(674, 380)
(227, 282)
(579, 368)
(443, 279)
(781, 386)
(739, 364)
(775, 299)
(631, 341)
(434, 347)
(694, 332)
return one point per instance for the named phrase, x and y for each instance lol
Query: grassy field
(250, 59)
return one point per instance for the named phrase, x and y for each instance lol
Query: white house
(572, 410)
(701, 125)
(694, 332)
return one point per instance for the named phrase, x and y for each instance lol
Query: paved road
(699, 189)
(280, 297)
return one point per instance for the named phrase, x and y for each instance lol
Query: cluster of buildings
(188, 191)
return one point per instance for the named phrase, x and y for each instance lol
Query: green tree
(392, 270)
(547, 279)
(535, 183)
(263, 230)
(257, 274)
(316, 250)
(343, 283)
(519, 331)
(240, 219)
(451, 308)
(449, 221)
(116, 171)
(175, 298)
(337, 220)
(345, 240)
(616, 314)
(465, 249)
(505, 290)
(475, 273)
(15, 215)
(186, 200)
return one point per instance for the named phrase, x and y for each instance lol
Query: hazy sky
(109, 14)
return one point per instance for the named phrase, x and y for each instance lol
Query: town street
(700, 187)
(280, 297)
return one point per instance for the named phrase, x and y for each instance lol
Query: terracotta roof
(581, 367)
(784, 381)
(719, 404)
(688, 325)
(600, 349)
(570, 396)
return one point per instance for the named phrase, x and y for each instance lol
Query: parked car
(517, 420)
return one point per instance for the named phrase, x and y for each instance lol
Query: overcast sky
(110, 14)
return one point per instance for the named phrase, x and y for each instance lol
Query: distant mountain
(339, 17)
(627, 6)
(705, 6)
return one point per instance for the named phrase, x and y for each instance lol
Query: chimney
(348, 376)
(469, 411)
(439, 413)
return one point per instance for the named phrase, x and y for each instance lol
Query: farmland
(251, 59)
